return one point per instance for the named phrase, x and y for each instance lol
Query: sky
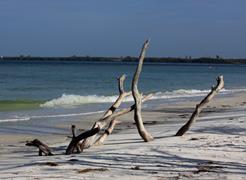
(180, 28)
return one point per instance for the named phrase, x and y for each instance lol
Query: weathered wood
(102, 122)
(122, 112)
(138, 97)
(129, 109)
(43, 148)
(122, 95)
(200, 106)
(74, 136)
(74, 142)
(117, 114)
(106, 133)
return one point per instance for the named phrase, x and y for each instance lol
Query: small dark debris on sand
(49, 164)
(226, 106)
(207, 167)
(183, 115)
(86, 170)
(135, 168)
(243, 103)
(73, 160)
(195, 139)
(148, 123)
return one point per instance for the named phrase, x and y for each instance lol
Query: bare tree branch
(43, 148)
(106, 133)
(138, 97)
(104, 120)
(122, 95)
(73, 144)
(113, 122)
(200, 106)
(74, 136)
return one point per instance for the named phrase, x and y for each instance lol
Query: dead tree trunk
(138, 97)
(199, 107)
(43, 148)
(103, 121)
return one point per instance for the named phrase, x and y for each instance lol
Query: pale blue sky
(118, 28)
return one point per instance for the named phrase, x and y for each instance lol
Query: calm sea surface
(48, 80)
(32, 90)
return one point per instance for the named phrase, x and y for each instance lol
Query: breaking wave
(74, 100)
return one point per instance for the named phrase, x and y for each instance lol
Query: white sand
(215, 148)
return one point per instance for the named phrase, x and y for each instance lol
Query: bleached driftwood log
(138, 97)
(102, 122)
(106, 133)
(200, 106)
(43, 148)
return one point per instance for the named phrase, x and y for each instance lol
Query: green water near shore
(15, 105)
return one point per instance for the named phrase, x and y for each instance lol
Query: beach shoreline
(213, 148)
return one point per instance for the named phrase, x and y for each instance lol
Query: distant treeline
(208, 60)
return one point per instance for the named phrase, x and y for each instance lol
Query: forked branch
(138, 97)
(117, 114)
(102, 122)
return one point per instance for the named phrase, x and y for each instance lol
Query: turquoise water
(48, 80)
(36, 91)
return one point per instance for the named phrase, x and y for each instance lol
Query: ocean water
(40, 92)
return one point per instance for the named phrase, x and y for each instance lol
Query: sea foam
(73, 100)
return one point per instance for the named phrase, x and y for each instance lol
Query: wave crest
(75, 100)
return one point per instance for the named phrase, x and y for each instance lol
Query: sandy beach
(122, 90)
(214, 148)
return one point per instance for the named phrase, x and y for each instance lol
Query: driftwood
(106, 133)
(74, 136)
(110, 116)
(136, 107)
(200, 106)
(138, 97)
(102, 122)
(43, 148)
(122, 95)
(129, 109)
(75, 140)
(117, 114)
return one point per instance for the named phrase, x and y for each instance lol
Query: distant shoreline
(207, 60)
